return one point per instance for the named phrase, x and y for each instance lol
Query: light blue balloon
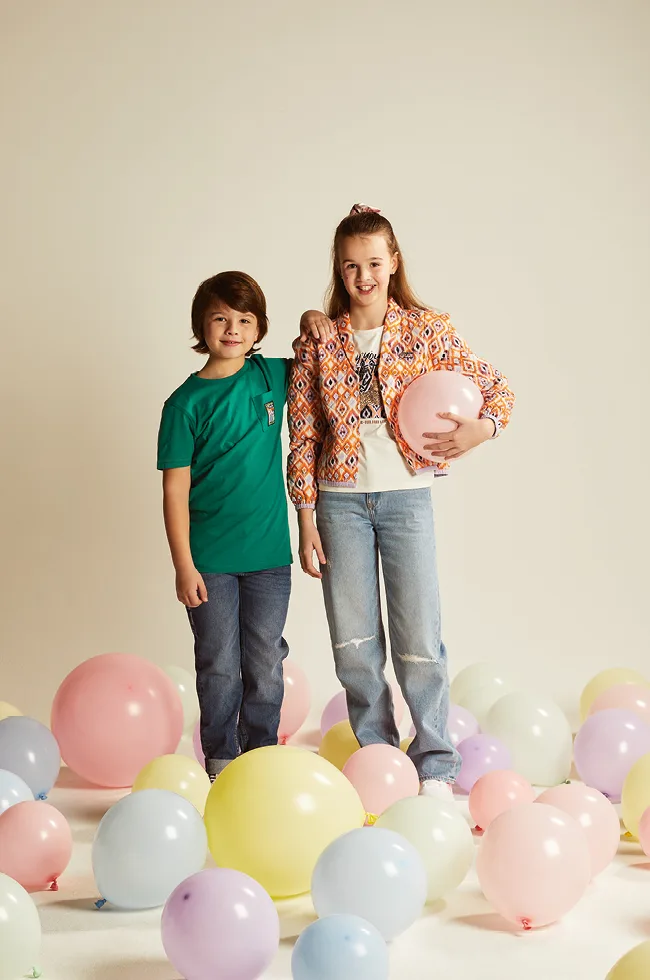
(31, 751)
(13, 790)
(373, 873)
(340, 947)
(145, 846)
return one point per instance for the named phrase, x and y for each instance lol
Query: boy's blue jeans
(355, 530)
(238, 651)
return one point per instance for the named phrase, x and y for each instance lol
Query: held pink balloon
(35, 844)
(381, 775)
(496, 792)
(296, 703)
(630, 697)
(336, 709)
(220, 924)
(426, 397)
(606, 747)
(480, 754)
(594, 813)
(644, 832)
(112, 715)
(533, 864)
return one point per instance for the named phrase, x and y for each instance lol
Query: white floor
(456, 940)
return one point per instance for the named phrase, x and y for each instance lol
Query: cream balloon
(479, 675)
(635, 965)
(635, 798)
(603, 681)
(538, 734)
(8, 711)
(480, 700)
(20, 931)
(185, 684)
(440, 834)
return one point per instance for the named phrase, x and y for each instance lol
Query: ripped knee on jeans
(415, 658)
(356, 642)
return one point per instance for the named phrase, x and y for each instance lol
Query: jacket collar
(392, 321)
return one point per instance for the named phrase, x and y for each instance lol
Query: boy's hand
(313, 323)
(190, 588)
(467, 434)
(309, 543)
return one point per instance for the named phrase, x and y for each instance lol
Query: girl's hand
(190, 587)
(313, 323)
(309, 543)
(468, 434)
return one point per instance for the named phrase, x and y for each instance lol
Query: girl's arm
(190, 587)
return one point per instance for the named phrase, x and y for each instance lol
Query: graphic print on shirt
(372, 406)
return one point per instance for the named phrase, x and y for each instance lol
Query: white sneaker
(437, 789)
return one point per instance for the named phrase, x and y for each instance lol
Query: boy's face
(229, 333)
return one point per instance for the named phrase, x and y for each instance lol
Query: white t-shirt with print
(381, 465)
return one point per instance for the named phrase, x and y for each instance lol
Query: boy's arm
(313, 323)
(190, 587)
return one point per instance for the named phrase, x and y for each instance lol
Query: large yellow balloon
(338, 744)
(635, 798)
(8, 711)
(635, 965)
(603, 681)
(180, 775)
(273, 811)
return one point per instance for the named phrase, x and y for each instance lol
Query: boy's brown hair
(237, 290)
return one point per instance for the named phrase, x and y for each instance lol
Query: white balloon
(440, 834)
(479, 675)
(185, 684)
(13, 790)
(479, 700)
(20, 930)
(538, 734)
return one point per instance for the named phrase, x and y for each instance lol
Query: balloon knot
(567, 782)
(371, 819)
(54, 887)
(479, 830)
(42, 796)
(526, 924)
(283, 739)
(100, 904)
(36, 973)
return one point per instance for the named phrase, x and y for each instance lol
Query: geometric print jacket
(323, 400)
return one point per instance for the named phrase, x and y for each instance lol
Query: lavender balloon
(461, 724)
(220, 924)
(481, 754)
(607, 746)
(336, 710)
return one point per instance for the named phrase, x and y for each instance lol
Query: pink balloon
(644, 831)
(112, 715)
(596, 816)
(296, 703)
(630, 697)
(480, 754)
(606, 747)
(381, 775)
(220, 924)
(35, 844)
(533, 864)
(336, 709)
(196, 743)
(496, 792)
(427, 396)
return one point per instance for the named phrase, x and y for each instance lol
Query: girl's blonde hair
(361, 223)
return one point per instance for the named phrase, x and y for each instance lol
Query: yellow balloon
(635, 798)
(635, 965)
(180, 775)
(273, 811)
(8, 711)
(603, 681)
(404, 744)
(338, 744)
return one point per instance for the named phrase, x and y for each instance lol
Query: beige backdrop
(148, 145)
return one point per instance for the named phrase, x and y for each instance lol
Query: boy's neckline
(226, 377)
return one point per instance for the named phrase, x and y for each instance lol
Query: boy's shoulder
(184, 396)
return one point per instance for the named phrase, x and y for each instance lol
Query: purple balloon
(607, 746)
(220, 924)
(481, 754)
(336, 710)
(461, 724)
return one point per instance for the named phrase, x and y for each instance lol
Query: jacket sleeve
(452, 353)
(306, 426)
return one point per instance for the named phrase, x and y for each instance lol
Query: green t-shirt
(228, 430)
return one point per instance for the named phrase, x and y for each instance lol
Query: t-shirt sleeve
(175, 438)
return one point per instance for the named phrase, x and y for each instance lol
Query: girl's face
(229, 333)
(366, 267)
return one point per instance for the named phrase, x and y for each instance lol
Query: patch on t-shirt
(372, 406)
(270, 411)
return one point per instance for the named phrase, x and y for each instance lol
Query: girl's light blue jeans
(356, 530)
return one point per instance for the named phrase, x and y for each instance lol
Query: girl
(371, 494)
